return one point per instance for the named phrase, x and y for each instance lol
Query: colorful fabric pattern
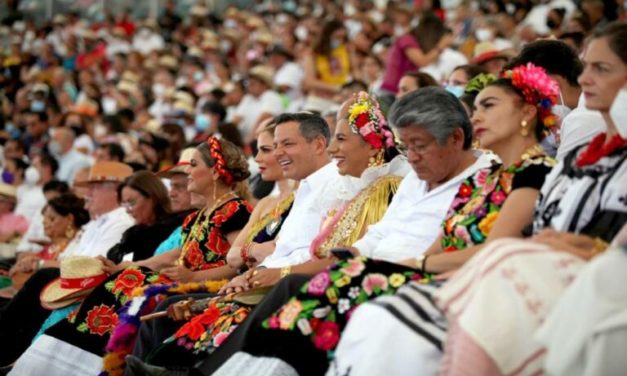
(91, 328)
(325, 303)
(204, 235)
(476, 205)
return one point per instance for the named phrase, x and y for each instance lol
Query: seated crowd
(258, 193)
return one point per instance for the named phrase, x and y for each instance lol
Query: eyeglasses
(130, 204)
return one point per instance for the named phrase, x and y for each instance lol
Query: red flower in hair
(374, 140)
(362, 120)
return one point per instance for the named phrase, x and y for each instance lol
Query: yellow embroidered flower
(332, 295)
(341, 282)
(486, 223)
(397, 279)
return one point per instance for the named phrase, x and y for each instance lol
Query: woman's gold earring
(524, 131)
(215, 187)
(69, 232)
(376, 160)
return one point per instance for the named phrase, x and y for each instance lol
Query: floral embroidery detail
(100, 320)
(324, 304)
(126, 282)
(327, 335)
(319, 284)
(374, 283)
(479, 199)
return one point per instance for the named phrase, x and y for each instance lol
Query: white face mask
(483, 34)
(31, 176)
(618, 113)
(560, 110)
(100, 130)
(301, 32)
(109, 105)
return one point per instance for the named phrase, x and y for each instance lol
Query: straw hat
(168, 61)
(8, 191)
(487, 51)
(79, 276)
(183, 96)
(263, 73)
(114, 172)
(181, 166)
(199, 11)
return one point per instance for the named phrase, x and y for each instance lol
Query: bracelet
(423, 267)
(40, 263)
(244, 252)
(285, 271)
(421, 262)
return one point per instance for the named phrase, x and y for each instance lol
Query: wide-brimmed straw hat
(8, 191)
(487, 51)
(102, 172)
(79, 276)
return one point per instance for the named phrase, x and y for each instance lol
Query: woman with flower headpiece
(364, 148)
(322, 308)
(482, 320)
(217, 171)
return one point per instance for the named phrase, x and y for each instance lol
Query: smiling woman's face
(349, 150)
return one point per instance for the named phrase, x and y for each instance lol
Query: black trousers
(293, 348)
(22, 317)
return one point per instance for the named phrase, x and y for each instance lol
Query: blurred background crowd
(109, 81)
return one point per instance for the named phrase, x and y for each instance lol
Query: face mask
(225, 46)
(54, 148)
(202, 122)
(198, 76)
(457, 91)
(109, 105)
(335, 43)
(100, 130)
(31, 175)
(301, 33)
(483, 34)
(230, 24)
(7, 177)
(37, 106)
(618, 113)
(398, 30)
(158, 90)
(560, 110)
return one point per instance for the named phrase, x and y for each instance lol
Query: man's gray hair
(433, 109)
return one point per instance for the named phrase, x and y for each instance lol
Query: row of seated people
(406, 224)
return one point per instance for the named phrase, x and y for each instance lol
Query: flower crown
(366, 119)
(215, 149)
(537, 89)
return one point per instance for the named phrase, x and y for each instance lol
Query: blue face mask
(198, 76)
(202, 122)
(457, 91)
(37, 106)
(7, 177)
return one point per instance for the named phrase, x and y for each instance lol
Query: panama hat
(8, 191)
(102, 172)
(79, 276)
(181, 166)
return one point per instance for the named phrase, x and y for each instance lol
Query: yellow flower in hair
(356, 109)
